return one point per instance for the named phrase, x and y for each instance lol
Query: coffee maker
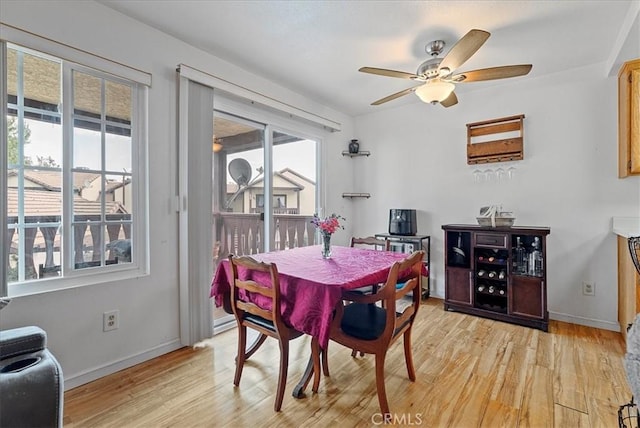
(402, 222)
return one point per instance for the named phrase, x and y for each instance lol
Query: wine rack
(497, 273)
(491, 279)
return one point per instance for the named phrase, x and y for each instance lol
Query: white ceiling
(315, 48)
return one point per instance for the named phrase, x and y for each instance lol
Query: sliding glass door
(264, 190)
(294, 190)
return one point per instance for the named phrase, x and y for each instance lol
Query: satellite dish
(240, 171)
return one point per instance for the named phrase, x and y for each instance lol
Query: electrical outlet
(588, 288)
(111, 320)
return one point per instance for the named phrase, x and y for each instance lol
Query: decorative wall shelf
(509, 148)
(360, 153)
(356, 195)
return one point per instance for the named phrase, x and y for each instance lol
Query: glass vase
(326, 246)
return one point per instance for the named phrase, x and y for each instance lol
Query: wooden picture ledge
(506, 149)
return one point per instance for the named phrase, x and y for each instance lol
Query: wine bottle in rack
(521, 259)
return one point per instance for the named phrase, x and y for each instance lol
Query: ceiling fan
(436, 75)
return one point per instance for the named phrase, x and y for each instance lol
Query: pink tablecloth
(312, 286)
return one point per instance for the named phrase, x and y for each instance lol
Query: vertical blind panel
(196, 269)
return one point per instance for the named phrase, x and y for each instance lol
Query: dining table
(311, 286)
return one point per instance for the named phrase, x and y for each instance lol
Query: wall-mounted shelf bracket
(360, 153)
(356, 195)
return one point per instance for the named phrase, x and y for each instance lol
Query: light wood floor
(471, 372)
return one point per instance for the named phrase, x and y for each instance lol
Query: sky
(299, 156)
(46, 140)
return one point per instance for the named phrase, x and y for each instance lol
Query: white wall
(566, 181)
(149, 305)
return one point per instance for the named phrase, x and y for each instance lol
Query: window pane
(22, 268)
(118, 107)
(118, 153)
(34, 179)
(87, 95)
(43, 147)
(119, 193)
(87, 145)
(119, 242)
(41, 83)
(100, 157)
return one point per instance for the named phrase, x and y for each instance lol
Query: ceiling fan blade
(464, 49)
(492, 73)
(388, 73)
(451, 100)
(394, 96)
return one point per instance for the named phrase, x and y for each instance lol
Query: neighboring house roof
(52, 179)
(115, 184)
(47, 203)
(294, 185)
(286, 171)
(284, 174)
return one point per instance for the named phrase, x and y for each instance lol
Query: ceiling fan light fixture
(435, 91)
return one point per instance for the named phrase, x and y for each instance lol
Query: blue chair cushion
(255, 319)
(364, 321)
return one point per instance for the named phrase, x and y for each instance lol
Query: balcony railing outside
(237, 233)
(277, 210)
(243, 234)
(84, 233)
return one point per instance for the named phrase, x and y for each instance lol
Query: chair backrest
(251, 276)
(371, 241)
(409, 272)
(634, 249)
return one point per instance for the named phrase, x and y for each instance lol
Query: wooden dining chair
(371, 241)
(371, 323)
(262, 279)
(375, 244)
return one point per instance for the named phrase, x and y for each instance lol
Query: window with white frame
(75, 170)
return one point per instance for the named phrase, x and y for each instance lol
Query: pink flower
(329, 224)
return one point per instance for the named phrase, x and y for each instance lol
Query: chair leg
(240, 358)
(282, 377)
(382, 393)
(408, 355)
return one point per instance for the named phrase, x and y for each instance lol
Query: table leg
(298, 391)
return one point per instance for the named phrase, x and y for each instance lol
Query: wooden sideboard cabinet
(628, 287)
(497, 273)
(629, 119)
